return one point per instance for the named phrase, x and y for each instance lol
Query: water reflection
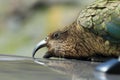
(23, 68)
(78, 70)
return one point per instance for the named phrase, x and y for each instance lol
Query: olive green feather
(102, 18)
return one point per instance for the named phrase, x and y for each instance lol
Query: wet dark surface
(24, 68)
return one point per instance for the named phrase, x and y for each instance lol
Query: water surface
(24, 68)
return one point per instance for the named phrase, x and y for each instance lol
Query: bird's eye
(56, 35)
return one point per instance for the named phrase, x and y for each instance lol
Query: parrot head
(71, 42)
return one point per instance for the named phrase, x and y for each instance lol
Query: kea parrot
(94, 35)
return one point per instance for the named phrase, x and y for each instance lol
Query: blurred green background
(23, 23)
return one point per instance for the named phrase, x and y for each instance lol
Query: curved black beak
(41, 44)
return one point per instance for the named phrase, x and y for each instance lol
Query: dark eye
(56, 35)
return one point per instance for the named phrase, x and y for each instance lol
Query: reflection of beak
(41, 44)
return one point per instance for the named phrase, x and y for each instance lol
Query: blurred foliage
(23, 23)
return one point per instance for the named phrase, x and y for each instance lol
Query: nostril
(46, 38)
